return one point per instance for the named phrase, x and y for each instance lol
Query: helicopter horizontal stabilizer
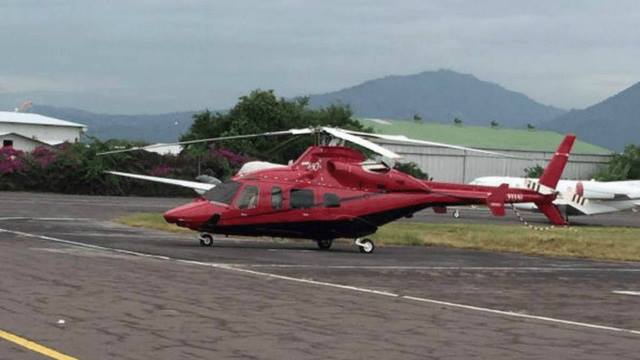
(496, 200)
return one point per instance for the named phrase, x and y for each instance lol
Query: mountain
(612, 123)
(434, 95)
(152, 128)
(440, 96)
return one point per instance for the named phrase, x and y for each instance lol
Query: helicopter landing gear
(366, 246)
(324, 244)
(206, 239)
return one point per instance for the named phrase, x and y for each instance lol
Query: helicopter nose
(191, 215)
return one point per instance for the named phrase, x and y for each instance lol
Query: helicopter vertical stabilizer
(550, 178)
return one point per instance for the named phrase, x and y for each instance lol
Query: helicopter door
(248, 200)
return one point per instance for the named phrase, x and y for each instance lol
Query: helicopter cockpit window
(223, 193)
(276, 198)
(249, 198)
(301, 198)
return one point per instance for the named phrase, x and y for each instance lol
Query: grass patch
(149, 221)
(602, 243)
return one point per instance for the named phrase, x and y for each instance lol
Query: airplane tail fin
(549, 181)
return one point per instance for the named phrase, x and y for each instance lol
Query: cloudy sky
(130, 56)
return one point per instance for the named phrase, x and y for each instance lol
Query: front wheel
(366, 246)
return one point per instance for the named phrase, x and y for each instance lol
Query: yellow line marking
(34, 346)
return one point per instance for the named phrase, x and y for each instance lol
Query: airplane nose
(191, 215)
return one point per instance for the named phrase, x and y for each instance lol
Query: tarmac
(79, 285)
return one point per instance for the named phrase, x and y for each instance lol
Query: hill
(440, 96)
(152, 128)
(612, 123)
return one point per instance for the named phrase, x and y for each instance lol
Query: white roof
(35, 119)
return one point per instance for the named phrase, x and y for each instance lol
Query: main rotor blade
(221, 138)
(199, 187)
(347, 135)
(402, 138)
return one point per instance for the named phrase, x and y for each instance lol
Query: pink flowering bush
(10, 160)
(161, 170)
(43, 156)
(233, 158)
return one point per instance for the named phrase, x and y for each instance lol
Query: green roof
(481, 137)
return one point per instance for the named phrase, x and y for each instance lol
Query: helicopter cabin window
(248, 198)
(223, 193)
(331, 200)
(276, 198)
(301, 198)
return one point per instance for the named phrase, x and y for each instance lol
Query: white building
(26, 131)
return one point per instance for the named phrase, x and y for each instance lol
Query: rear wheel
(206, 239)
(325, 244)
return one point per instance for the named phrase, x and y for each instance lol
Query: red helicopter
(332, 191)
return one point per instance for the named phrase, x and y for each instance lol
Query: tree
(261, 111)
(534, 172)
(624, 166)
(530, 126)
(457, 121)
(417, 118)
(494, 124)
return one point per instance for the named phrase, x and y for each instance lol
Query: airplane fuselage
(603, 197)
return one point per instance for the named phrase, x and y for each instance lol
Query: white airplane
(578, 197)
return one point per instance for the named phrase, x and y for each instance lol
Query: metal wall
(461, 166)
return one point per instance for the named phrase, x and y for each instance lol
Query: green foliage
(76, 169)
(534, 172)
(261, 111)
(412, 169)
(624, 166)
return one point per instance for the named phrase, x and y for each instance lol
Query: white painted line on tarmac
(332, 285)
(520, 315)
(625, 292)
(42, 218)
(440, 268)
